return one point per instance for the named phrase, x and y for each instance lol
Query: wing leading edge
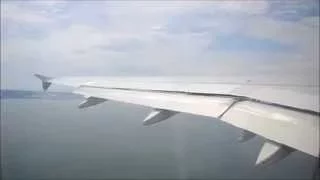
(286, 128)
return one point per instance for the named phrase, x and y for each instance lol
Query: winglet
(45, 81)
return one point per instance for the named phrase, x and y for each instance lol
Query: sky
(157, 38)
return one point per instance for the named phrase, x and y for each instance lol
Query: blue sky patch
(293, 10)
(236, 42)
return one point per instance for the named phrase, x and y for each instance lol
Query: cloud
(247, 7)
(154, 38)
(12, 11)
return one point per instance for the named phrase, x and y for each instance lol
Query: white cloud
(87, 49)
(12, 11)
(244, 6)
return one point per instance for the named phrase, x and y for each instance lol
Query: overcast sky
(211, 38)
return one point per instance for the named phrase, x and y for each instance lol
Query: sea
(45, 136)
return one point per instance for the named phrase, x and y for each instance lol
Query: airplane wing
(285, 113)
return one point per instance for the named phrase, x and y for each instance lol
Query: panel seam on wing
(243, 98)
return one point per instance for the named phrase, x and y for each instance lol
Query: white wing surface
(284, 111)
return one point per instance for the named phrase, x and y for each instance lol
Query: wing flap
(295, 129)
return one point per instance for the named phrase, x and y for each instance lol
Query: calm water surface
(52, 139)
